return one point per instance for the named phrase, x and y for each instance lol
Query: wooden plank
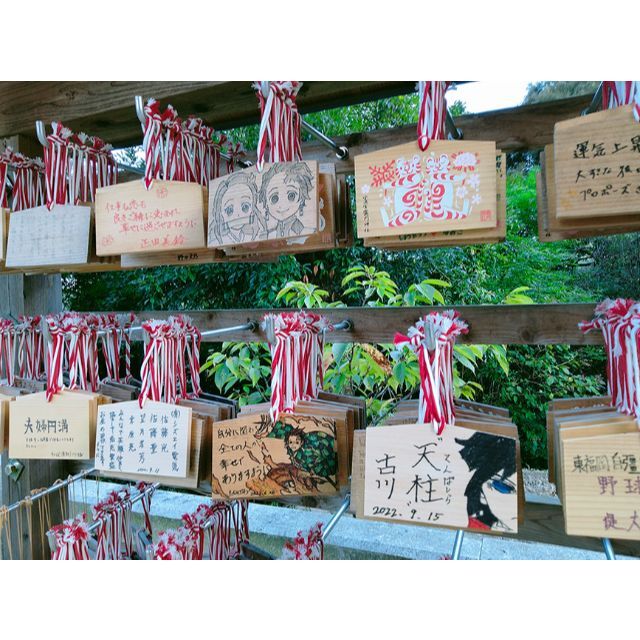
(488, 324)
(107, 108)
(597, 165)
(527, 127)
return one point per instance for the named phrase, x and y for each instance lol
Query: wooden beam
(106, 109)
(523, 128)
(489, 324)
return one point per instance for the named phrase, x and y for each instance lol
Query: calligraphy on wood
(463, 478)
(597, 164)
(154, 440)
(167, 217)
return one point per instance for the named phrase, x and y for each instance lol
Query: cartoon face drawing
(235, 215)
(284, 192)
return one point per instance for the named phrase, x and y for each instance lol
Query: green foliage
(556, 90)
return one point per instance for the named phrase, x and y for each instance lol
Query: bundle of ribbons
(28, 182)
(296, 344)
(186, 151)
(30, 348)
(7, 350)
(432, 340)
(619, 321)
(115, 539)
(280, 121)
(172, 357)
(619, 93)
(73, 343)
(433, 112)
(305, 547)
(75, 166)
(187, 542)
(71, 539)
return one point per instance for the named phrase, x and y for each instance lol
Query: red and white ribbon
(236, 153)
(115, 539)
(305, 547)
(432, 340)
(619, 321)
(7, 350)
(280, 121)
(30, 348)
(28, 187)
(56, 162)
(240, 522)
(433, 112)
(618, 93)
(71, 537)
(5, 161)
(220, 531)
(296, 358)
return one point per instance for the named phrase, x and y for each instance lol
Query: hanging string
(618, 93)
(433, 112)
(432, 340)
(279, 123)
(5, 529)
(305, 547)
(30, 348)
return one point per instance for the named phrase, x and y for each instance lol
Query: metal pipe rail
(52, 489)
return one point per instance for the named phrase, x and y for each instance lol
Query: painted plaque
(167, 217)
(277, 203)
(597, 164)
(601, 486)
(255, 458)
(39, 237)
(403, 190)
(154, 440)
(56, 430)
(463, 478)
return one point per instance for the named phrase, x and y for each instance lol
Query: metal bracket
(14, 469)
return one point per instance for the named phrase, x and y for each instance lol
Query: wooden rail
(488, 324)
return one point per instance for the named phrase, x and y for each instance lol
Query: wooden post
(30, 295)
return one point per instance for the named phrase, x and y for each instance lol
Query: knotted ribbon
(305, 547)
(280, 121)
(432, 340)
(433, 112)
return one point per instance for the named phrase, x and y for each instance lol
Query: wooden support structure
(488, 324)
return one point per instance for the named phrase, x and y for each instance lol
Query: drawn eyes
(229, 210)
(246, 207)
(502, 486)
(291, 196)
(274, 198)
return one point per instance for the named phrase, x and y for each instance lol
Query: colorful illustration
(254, 457)
(492, 460)
(280, 202)
(427, 187)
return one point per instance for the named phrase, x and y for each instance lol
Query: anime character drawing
(236, 216)
(490, 490)
(284, 192)
(312, 457)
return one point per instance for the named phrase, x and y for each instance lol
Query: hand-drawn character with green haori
(284, 192)
(313, 459)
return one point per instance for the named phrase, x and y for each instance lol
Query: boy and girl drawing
(250, 206)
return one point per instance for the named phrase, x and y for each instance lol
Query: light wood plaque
(167, 217)
(597, 164)
(403, 190)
